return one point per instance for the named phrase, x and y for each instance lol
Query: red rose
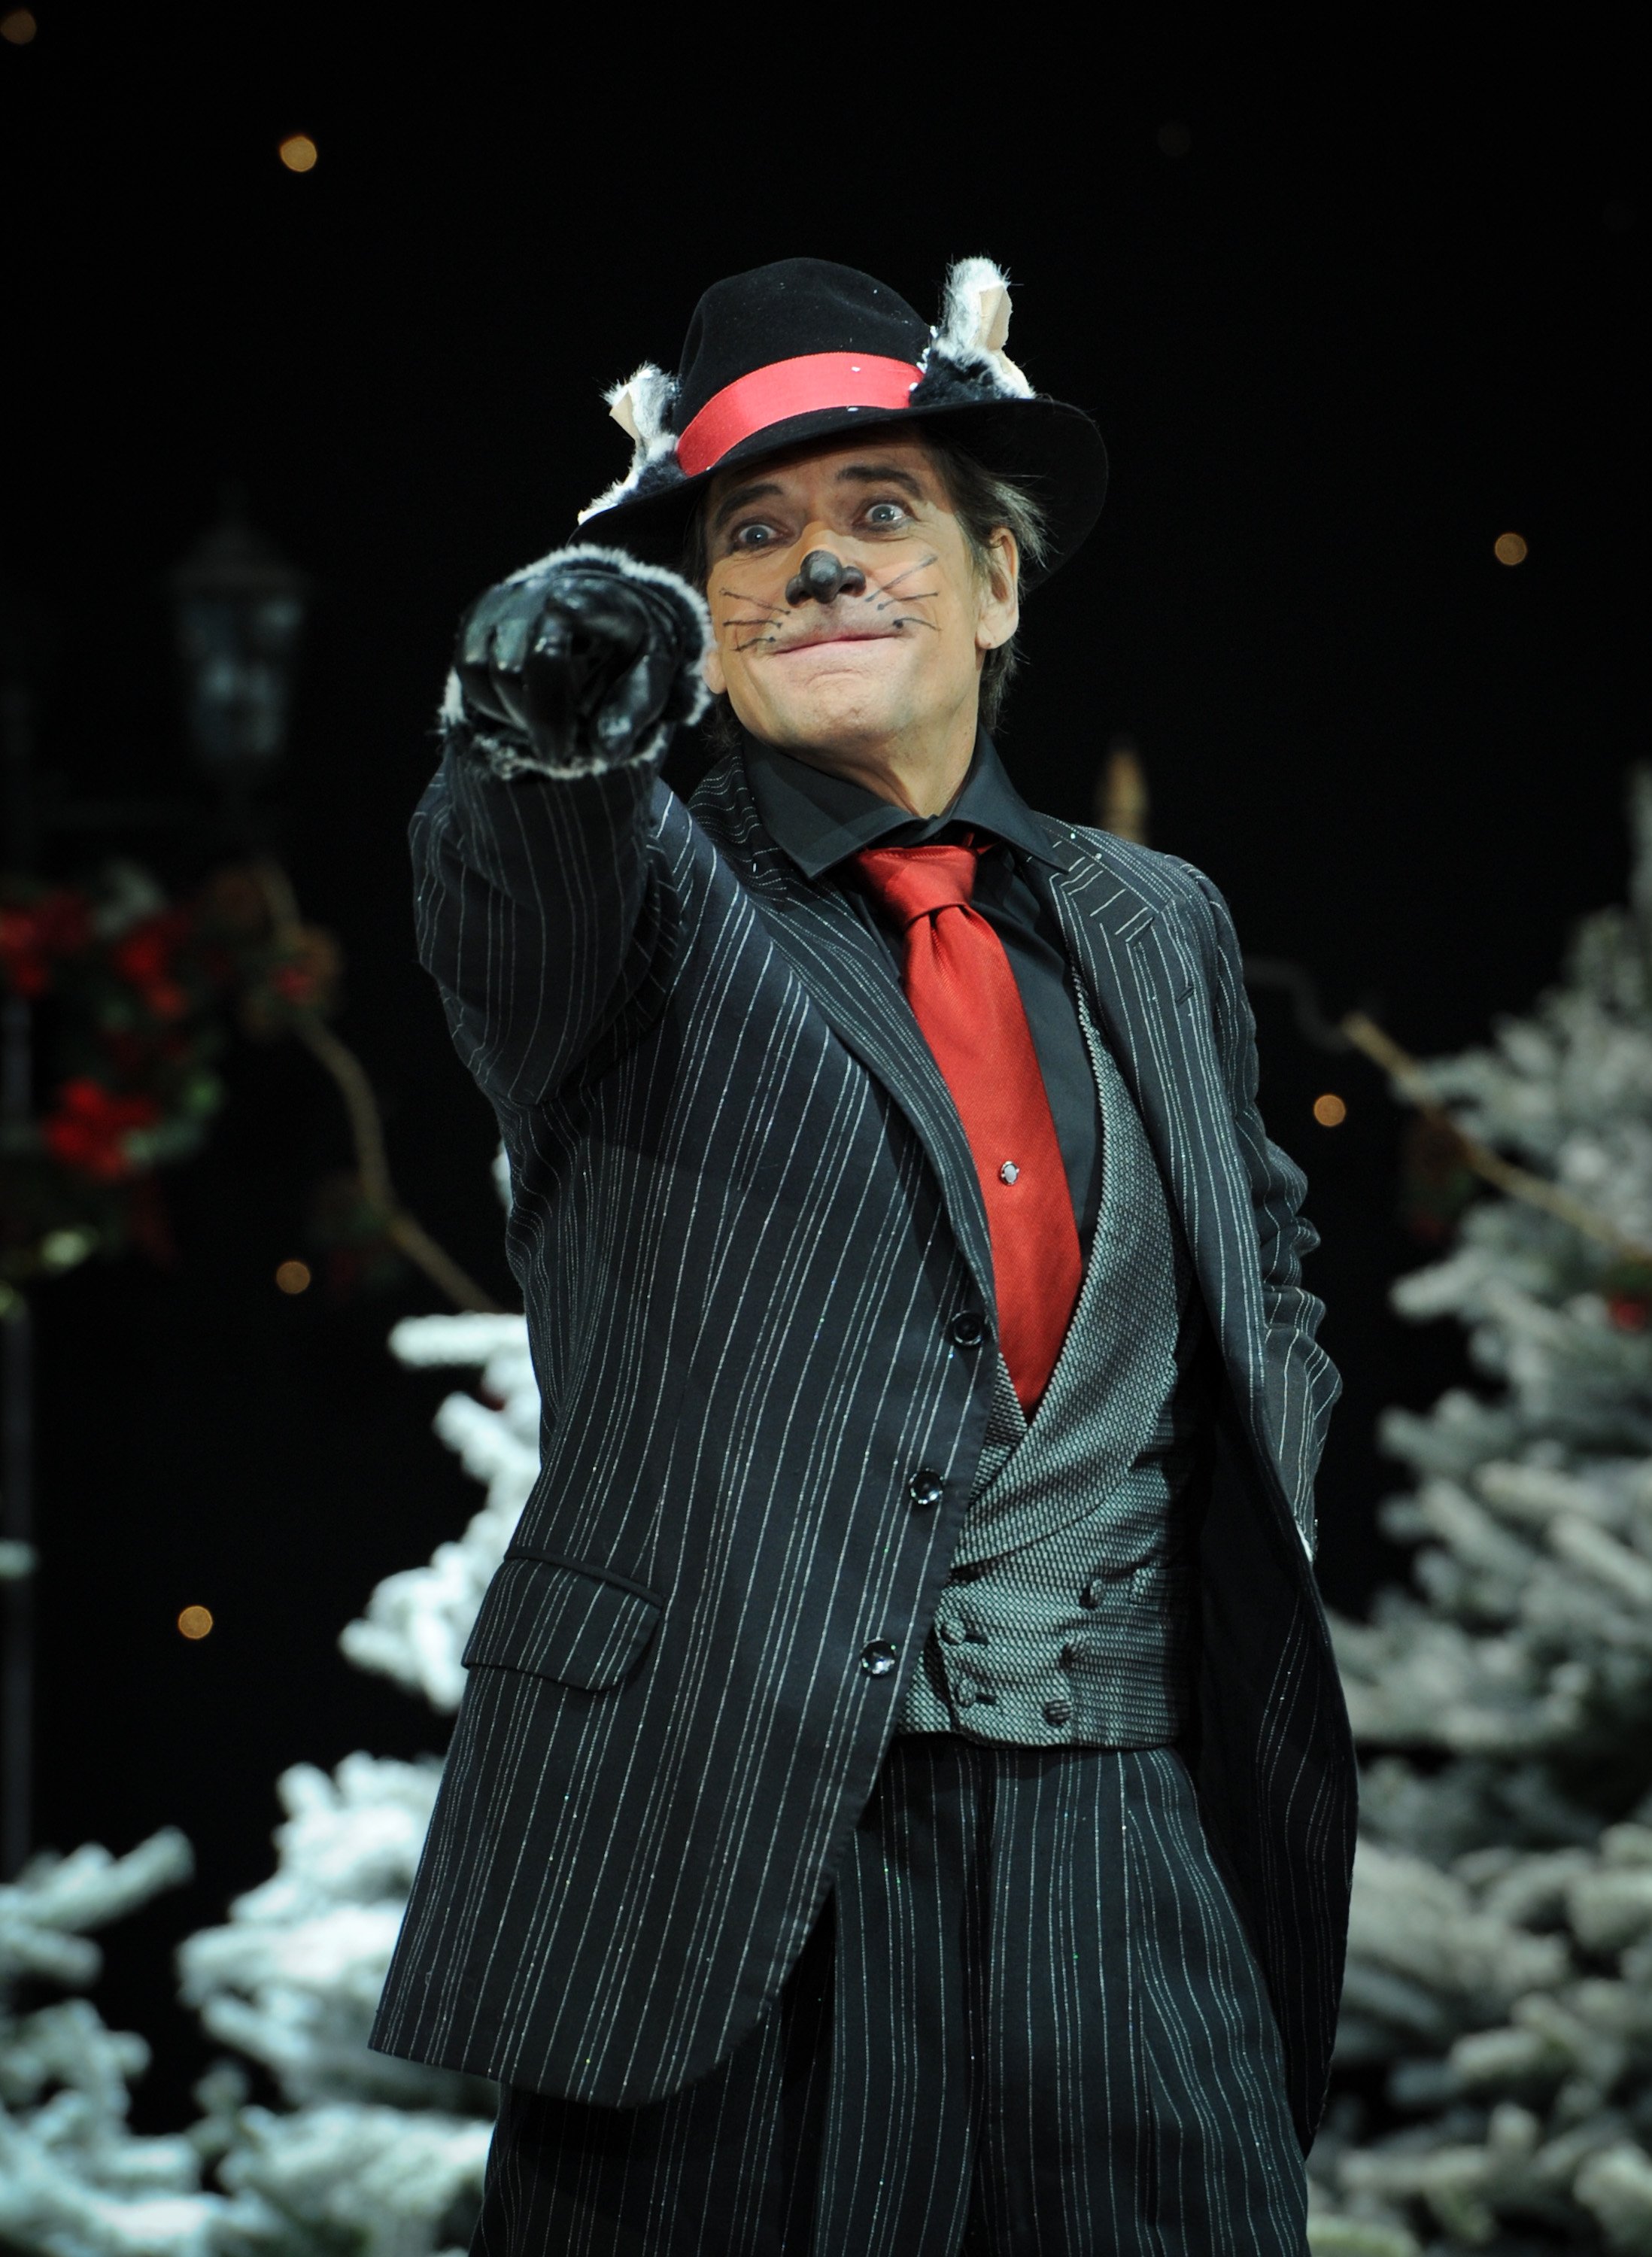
(56, 924)
(23, 956)
(144, 957)
(88, 1129)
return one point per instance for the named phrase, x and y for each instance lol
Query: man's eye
(753, 536)
(886, 513)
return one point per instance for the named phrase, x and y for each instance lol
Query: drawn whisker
(911, 596)
(911, 620)
(884, 587)
(751, 641)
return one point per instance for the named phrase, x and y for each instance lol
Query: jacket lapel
(1147, 986)
(851, 978)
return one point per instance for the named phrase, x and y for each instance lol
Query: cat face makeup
(888, 647)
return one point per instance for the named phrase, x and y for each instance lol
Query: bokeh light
(293, 1276)
(1509, 548)
(17, 27)
(1330, 1111)
(298, 153)
(195, 1622)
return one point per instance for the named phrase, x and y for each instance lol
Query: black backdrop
(1355, 314)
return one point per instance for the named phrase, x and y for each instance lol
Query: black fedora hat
(805, 350)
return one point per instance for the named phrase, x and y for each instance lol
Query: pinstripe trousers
(1027, 2024)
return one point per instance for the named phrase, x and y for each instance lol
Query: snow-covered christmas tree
(1496, 2043)
(371, 2156)
(367, 2156)
(74, 2177)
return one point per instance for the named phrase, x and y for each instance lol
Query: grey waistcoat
(1065, 1618)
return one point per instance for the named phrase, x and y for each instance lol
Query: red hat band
(786, 388)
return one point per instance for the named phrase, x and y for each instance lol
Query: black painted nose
(822, 577)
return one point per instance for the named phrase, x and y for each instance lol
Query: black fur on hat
(771, 362)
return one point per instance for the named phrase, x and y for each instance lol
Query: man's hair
(982, 501)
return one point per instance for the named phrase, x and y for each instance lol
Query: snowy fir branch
(368, 2155)
(417, 1621)
(74, 2177)
(1495, 2061)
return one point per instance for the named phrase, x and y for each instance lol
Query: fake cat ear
(975, 323)
(641, 406)
(638, 406)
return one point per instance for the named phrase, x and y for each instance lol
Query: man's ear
(716, 680)
(999, 611)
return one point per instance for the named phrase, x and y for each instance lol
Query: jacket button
(964, 1695)
(953, 1632)
(1058, 1712)
(967, 1329)
(879, 1658)
(926, 1487)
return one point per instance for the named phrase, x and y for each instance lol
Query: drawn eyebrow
(740, 497)
(880, 474)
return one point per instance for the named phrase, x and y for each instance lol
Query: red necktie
(963, 994)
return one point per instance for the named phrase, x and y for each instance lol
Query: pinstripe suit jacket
(744, 1218)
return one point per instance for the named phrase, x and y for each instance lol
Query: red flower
(144, 959)
(57, 925)
(142, 952)
(89, 1130)
(22, 958)
(1628, 1312)
(306, 977)
(294, 983)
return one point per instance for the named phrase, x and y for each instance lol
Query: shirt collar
(819, 819)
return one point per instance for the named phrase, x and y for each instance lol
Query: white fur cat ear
(974, 323)
(640, 407)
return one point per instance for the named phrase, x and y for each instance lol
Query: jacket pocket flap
(553, 1620)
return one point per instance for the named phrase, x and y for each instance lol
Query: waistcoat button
(964, 1694)
(879, 1658)
(1058, 1712)
(925, 1487)
(953, 1632)
(967, 1329)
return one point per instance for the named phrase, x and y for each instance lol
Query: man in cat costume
(902, 1802)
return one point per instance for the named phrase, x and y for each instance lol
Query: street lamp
(239, 609)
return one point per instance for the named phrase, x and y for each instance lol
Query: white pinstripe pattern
(1029, 2025)
(744, 1215)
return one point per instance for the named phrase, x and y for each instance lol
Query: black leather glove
(582, 659)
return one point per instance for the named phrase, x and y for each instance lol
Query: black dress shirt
(819, 820)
